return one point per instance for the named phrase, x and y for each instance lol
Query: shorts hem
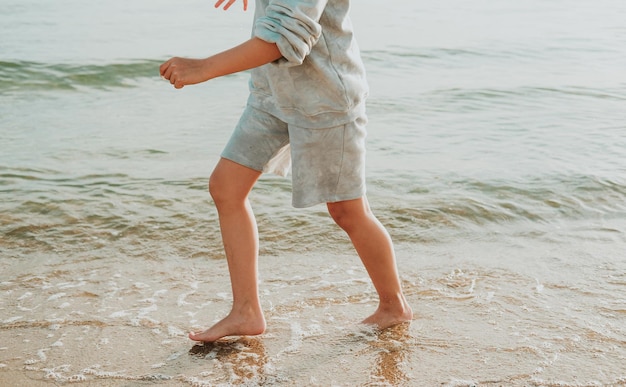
(244, 163)
(333, 199)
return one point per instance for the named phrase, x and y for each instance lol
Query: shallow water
(496, 158)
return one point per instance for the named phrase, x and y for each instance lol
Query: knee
(348, 215)
(213, 187)
(230, 183)
(219, 189)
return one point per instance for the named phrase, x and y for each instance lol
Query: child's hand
(182, 71)
(229, 3)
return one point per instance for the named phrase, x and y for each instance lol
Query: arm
(250, 54)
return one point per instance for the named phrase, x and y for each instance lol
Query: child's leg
(229, 186)
(374, 246)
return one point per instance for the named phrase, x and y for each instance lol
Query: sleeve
(293, 25)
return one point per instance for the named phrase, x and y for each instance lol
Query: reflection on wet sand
(392, 347)
(244, 358)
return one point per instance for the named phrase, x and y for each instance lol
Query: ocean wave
(42, 210)
(26, 76)
(588, 204)
(521, 97)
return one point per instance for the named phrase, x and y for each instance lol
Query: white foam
(42, 354)
(56, 296)
(55, 372)
(104, 374)
(67, 285)
(472, 286)
(295, 343)
(539, 287)
(174, 331)
(181, 298)
(76, 378)
(146, 310)
(461, 383)
(12, 319)
(142, 321)
(195, 382)
(121, 313)
(204, 304)
(24, 296)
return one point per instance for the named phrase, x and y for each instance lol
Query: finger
(177, 80)
(168, 68)
(230, 2)
(163, 67)
(167, 74)
(245, 5)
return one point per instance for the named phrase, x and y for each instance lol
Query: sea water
(496, 159)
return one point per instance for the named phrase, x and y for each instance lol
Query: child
(307, 90)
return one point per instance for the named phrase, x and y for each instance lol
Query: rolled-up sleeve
(293, 25)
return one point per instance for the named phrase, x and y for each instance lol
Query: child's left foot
(249, 322)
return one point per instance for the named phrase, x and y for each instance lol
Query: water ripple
(26, 76)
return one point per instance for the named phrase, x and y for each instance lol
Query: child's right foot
(232, 325)
(387, 316)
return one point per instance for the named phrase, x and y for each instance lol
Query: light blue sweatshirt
(320, 80)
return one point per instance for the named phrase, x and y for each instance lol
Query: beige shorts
(328, 165)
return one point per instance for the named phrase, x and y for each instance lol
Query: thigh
(257, 137)
(328, 165)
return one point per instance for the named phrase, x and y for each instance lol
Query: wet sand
(115, 322)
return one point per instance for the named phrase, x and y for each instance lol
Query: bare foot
(234, 324)
(390, 314)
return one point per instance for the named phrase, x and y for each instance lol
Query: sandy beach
(496, 159)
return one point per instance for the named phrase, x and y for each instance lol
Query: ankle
(395, 303)
(248, 309)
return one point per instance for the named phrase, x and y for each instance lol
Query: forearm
(250, 54)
